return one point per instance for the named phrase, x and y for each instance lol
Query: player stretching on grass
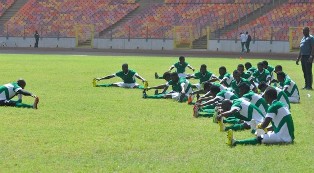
(128, 77)
(204, 76)
(8, 91)
(180, 66)
(282, 129)
(181, 88)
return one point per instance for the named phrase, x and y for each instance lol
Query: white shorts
(176, 95)
(273, 138)
(294, 99)
(182, 75)
(198, 86)
(126, 85)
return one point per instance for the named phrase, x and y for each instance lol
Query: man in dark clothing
(36, 39)
(306, 55)
(248, 41)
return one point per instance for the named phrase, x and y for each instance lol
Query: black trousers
(247, 45)
(307, 70)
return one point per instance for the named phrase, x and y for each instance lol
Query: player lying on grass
(204, 76)
(281, 95)
(205, 106)
(245, 113)
(8, 91)
(181, 89)
(180, 67)
(289, 87)
(128, 77)
(247, 94)
(282, 127)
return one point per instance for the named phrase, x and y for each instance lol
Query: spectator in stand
(243, 39)
(36, 39)
(306, 55)
(248, 41)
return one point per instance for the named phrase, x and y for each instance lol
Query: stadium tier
(59, 17)
(215, 1)
(4, 5)
(158, 20)
(275, 24)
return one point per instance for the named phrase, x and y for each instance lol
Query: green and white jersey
(281, 120)
(282, 97)
(177, 86)
(257, 100)
(8, 91)
(270, 69)
(227, 79)
(251, 70)
(180, 67)
(128, 77)
(261, 76)
(203, 77)
(235, 85)
(246, 110)
(292, 88)
(224, 94)
(245, 75)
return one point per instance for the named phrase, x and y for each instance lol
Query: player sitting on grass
(281, 95)
(128, 77)
(167, 77)
(249, 68)
(247, 94)
(225, 78)
(180, 68)
(282, 129)
(243, 74)
(261, 75)
(289, 87)
(8, 91)
(205, 106)
(245, 113)
(181, 89)
(203, 75)
(237, 80)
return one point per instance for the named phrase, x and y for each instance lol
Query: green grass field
(79, 128)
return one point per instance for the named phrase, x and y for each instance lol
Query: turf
(78, 128)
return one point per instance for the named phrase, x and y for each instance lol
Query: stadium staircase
(201, 43)
(9, 13)
(143, 5)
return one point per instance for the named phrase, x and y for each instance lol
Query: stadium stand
(275, 24)
(215, 1)
(4, 5)
(158, 20)
(58, 17)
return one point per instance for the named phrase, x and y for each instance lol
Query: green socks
(159, 96)
(235, 127)
(21, 105)
(231, 120)
(103, 85)
(251, 141)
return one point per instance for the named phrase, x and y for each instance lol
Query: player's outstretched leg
(22, 105)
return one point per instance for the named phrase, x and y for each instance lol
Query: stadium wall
(257, 46)
(148, 44)
(43, 42)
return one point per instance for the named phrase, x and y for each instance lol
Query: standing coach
(306, 55)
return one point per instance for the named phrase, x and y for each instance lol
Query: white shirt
(243, 38)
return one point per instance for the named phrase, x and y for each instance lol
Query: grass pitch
(78, 128)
